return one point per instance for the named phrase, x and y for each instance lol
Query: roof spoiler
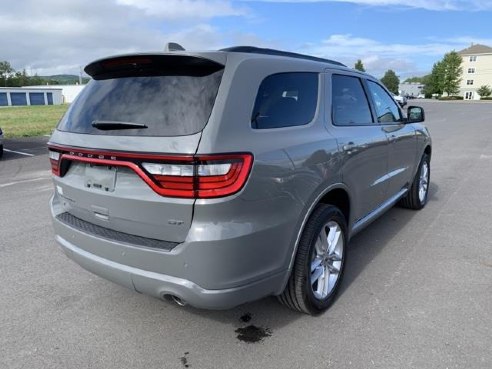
(147, 65)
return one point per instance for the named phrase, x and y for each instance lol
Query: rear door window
(349, 102)
(169, 105)
(285, 100)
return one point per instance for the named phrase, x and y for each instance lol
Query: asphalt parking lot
(417, 291)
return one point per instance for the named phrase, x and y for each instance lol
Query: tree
(484, 91)
(415, 79)
(6, 71)
(359, 66)
(391, 81)
(451, 73)
(433, 82)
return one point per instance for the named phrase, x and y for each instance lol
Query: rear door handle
(392, 138)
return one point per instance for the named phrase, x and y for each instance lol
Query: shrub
(484, 91)
(450, 98)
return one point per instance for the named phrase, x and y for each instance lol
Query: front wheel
(319, 263)
(416, 198)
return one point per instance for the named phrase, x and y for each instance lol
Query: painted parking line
(18, 152)
(24, 181)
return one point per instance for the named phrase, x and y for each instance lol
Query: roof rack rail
(259, 50)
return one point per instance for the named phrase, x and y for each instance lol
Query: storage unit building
(22, 96)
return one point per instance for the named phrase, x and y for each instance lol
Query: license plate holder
(100, 177)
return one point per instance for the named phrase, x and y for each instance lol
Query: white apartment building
(477, 70)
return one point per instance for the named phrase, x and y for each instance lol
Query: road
(417, 292)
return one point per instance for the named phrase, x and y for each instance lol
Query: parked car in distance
(221, 177)
(401, 100)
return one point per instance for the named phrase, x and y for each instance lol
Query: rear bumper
(160, 285)
(217, 274)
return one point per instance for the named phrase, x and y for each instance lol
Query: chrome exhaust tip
(178, 301)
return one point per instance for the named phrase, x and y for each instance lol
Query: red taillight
(55, 162)
(228, 183)
(187, 176)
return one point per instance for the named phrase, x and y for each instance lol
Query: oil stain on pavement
(251, 333)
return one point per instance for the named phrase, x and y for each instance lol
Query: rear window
(285, 100)
(169, 105)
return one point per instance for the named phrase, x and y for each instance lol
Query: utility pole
(80, 75)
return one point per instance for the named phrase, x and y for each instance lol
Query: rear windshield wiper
(107, 125)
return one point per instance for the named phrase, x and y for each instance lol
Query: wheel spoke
(333, 269)
(317, 275)
(334, 258)
(326, 281)
(322, 242)
(334, 237)
(315, 263)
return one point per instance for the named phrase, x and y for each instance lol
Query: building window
(473, 58)
(471, 70)
(469, 82)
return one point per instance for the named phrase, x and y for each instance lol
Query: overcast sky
(60, 36)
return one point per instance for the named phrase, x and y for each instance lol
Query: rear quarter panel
(292, 167)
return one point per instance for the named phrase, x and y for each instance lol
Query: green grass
(28, 121)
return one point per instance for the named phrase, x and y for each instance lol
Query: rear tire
(416, 198)
(319, 264)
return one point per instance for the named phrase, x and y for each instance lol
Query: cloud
(348, 45)
(176, 9)
(379, 57)
(58, 36)
(438, 5)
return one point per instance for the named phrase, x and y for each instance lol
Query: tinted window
(386, 108)
(170, 105)
(285, 100)
(349, 101)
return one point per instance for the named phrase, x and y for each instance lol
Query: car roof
(274, 52)
(249, 52)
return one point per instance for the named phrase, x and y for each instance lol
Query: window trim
(373, 104)
(364, 89)
(471, 70)
(297, 126)
(473, 58)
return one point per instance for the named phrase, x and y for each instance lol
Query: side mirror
(415, 114)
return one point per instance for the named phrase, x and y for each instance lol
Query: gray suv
(217, 178)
